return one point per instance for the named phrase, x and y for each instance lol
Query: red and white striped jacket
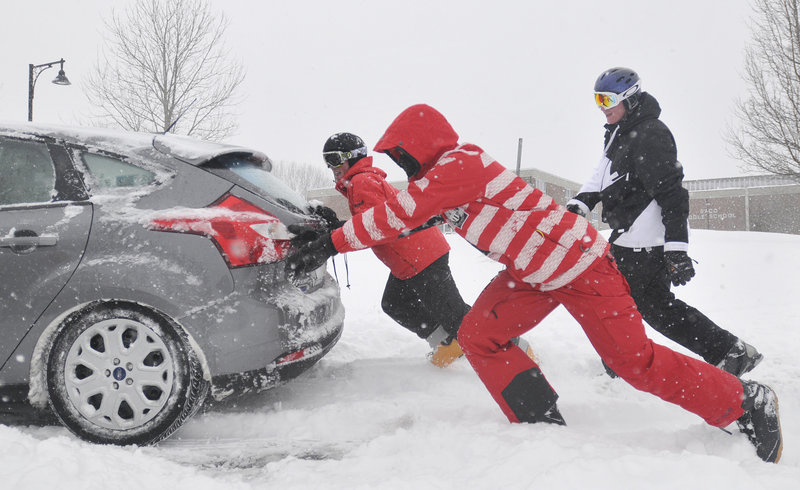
(538, 240)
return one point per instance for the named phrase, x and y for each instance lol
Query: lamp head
(62, 79)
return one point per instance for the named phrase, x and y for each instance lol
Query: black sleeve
(658, 169)
(589, 198)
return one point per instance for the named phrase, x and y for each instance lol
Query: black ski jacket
(644, 166)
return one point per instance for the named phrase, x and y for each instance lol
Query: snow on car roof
(184, 148)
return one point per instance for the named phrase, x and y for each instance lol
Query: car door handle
(25, 242)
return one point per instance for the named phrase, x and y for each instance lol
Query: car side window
(111, 173)
(26, 172)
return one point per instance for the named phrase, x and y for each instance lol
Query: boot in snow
(741, 359)
(445, 354)
(761, 422)
(531, 398)
(445, 348)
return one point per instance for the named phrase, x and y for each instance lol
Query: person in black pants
(428, 298)
(639, 182)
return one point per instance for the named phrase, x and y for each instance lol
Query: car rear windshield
(258, 177)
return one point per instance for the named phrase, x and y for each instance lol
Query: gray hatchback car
(140, 273)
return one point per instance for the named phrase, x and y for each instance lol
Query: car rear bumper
(285, 368)
(249, 331)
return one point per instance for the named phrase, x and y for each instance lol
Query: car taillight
(244, 233)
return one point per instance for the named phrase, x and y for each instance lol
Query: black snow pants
(646, 274)
(426, 301)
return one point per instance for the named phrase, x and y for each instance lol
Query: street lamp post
(33, 74)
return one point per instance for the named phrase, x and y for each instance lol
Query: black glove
(308, 232)
(329, 215)
(310, 256)
(303, 234)
(679, 267)
(574, 208)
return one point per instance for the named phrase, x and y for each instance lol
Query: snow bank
(375, 414)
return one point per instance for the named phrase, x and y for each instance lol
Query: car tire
(121, 373)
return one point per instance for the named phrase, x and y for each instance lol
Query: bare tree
(303, 177)
(164, 59)
(769, 136)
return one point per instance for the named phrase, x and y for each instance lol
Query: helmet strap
(631, 103)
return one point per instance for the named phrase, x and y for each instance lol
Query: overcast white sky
(499, 71)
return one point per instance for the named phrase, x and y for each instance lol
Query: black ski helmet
(622, 81)
(343, 147)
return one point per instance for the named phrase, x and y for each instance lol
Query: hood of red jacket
(423, 132)
(362, 166)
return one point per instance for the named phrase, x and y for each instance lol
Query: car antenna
(179, 116)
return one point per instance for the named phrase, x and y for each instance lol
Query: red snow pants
(601, 303)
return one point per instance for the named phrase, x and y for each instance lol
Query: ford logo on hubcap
(119, 374)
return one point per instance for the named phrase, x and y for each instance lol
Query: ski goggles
(335, 159)
(607, 100)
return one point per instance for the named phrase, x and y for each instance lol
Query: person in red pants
(552, 257)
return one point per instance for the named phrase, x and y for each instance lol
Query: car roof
(187, 149)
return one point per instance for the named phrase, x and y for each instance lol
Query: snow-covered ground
(375, 414)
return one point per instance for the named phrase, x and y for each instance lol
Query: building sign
(717, 213)
(712, 214)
